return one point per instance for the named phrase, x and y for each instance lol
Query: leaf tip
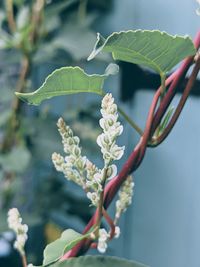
(26, 97)
(97, 47)
(21, 96)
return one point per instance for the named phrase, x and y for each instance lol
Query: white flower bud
(15, 223)
(93, 196)
(125, 197)
(117, 231)
(58, 161)
(76, 151)
(111, 130)
(103, 235)
(98, 177)
(102, 247)
(117, 152)
(102, 240)
(112, 171)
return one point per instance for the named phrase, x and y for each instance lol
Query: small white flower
(103, 234)
(102, 247)
(117, 152)
(102, 240)
(93, 196)
(117, 231)
(58, 161)
(112, 171)
(104, 141)
(98, 177)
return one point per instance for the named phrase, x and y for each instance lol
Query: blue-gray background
(162, 228)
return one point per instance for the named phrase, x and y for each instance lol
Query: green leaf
(68, 80)
(67, 241)
(154, 49)
(97, 261)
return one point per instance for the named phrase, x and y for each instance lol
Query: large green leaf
(67, 241)
(97, 261)
(154, 49)
(68, 80)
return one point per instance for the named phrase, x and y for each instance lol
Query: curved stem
(180, 106)
(14, 122)
(110, 222)
(174, 81)
(112, 187)
(24, 260)
(138, 153)
(130, 121)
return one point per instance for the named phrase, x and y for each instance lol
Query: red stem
(181, 104)
(138, 153)
(113, 186)
(110, 222)
(177, 76)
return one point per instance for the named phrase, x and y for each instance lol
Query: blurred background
(162, 227)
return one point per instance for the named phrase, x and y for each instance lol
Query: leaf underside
(154, 49)
(68, 80)
(55, 250)
(97, 261)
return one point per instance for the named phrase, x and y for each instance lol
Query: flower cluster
(111, 130)
(74, 164)
(15, 223)
(81, 170)
(125, 197)
(107, 141)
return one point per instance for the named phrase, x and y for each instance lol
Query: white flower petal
(112, 171)
(102, 247)
(117, 231)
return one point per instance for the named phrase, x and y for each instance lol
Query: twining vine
(102, 184)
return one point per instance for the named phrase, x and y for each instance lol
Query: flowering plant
(153, 49)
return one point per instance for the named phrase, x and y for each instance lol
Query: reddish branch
(181, 103)
(153, 120)
(110, 222)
